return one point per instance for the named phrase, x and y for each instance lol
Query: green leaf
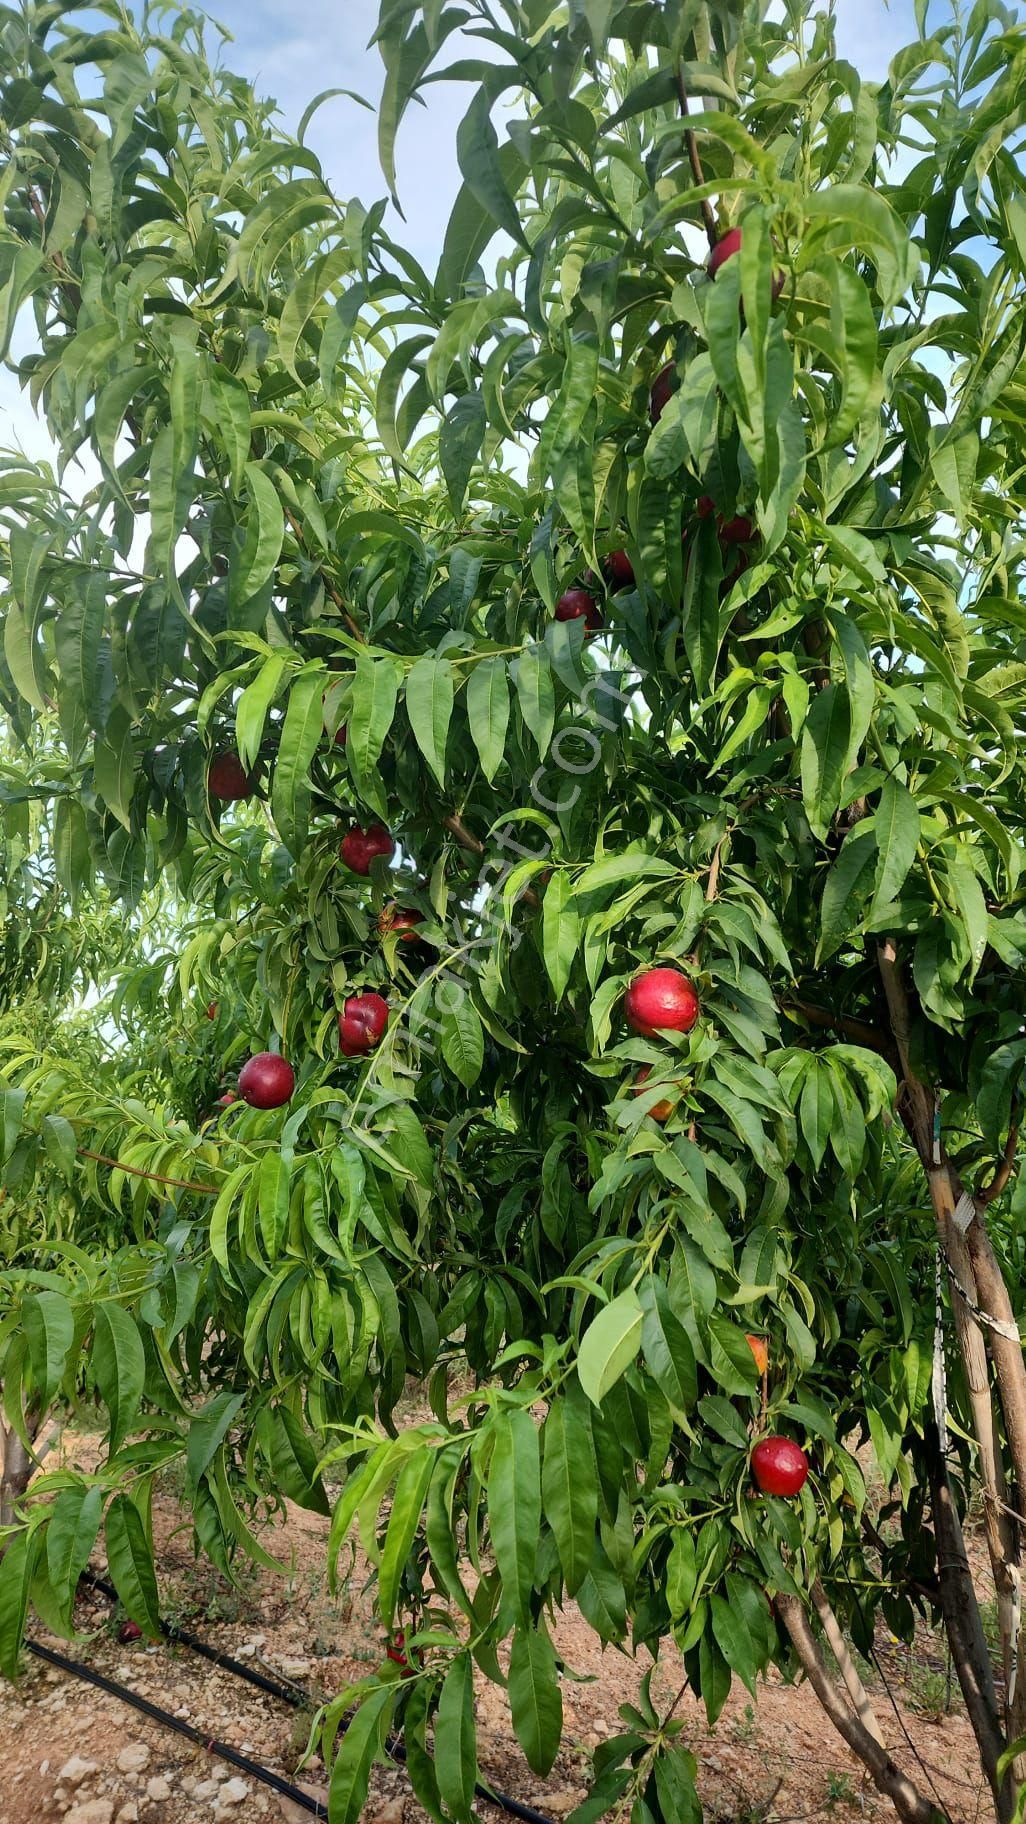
(49, 1331)
(461, 1033)
(429, 699)
(362, 1742)
(300, 739)
(514, 1507)
(570, 1489)
(374, 697)
(488, 712)
(119, 1365)
(17, 1567)
(477, 152)
(253, 705)
(273, 1182)
(460, 441)
(130, 1563)
(614, 869)
(846, 891)
(265, 529)
(536, 1701)
(114, 765)
(70, 1537)
(667, 1348)
(456, 1740)
(825, 743)
(407, 1504)
(896, 822)
(207, 1432)
(609, 1345)
(561, 930)
(816, 1110)
(536, 694)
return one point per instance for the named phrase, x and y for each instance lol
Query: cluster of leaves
(333, 490)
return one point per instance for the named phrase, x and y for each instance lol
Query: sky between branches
(292, 53)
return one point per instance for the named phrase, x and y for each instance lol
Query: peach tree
(574, 699)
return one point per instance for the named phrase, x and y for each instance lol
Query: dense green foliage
(331, 489)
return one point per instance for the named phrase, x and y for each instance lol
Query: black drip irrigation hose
(287, 1693)
(177, 1723)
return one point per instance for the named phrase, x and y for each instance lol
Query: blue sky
(293, 52)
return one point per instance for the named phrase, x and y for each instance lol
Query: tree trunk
(965, 1631)
(14, 1476)
(886, 1775)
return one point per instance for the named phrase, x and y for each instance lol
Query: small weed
(746, 1729)
(929, 1690)
(840, 1789)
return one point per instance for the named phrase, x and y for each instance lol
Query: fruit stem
(695, 160)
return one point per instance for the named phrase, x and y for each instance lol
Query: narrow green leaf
(119, 1365)
(456, 1740)
(130, 1563)
(488, 712)
(536, 1701)
(561, 930)
(429, 700)
(514, 1506)
(300, 739)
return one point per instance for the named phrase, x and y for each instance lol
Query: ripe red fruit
(663, 389)
(403, 920)
(341, 735)
(660, 1111)
(359, 847)
(361, 1023)
(760, 1350)
(619, 570)
(661, 1000)
(396, 1652)
(267, 1080)
(724, 250)
(779, 1466)
(228, 779)
(706, 506)
(577, 605)
(737, 531)
(128, 1632)
(227, 1099)
(212, 1010)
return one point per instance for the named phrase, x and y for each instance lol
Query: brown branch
(919, 1115)
(961, 1611)
(467, 840)
(887, 1776)
(465, 837)
(297, 530)
(181, 1184)
(846, 1665)
(712, 885)
(695, 160)
(857, 1030)
(986, 1193)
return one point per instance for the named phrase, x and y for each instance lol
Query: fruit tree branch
(355, 629)
(857, 1030)
(467, 840)
(181, 1184)
(961, 1612)
(987, 1193)
(887, 1776)
(695, 160)
(846, 1664)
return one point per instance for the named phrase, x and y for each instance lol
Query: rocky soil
(71, 1752)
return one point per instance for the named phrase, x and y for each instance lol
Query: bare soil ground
(68, 1751)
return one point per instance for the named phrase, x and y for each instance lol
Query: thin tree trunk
(848, 1669)
(886, 1775)
(976, 1280)
(965, 1630)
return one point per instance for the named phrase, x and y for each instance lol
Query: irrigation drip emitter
(289, 1693)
